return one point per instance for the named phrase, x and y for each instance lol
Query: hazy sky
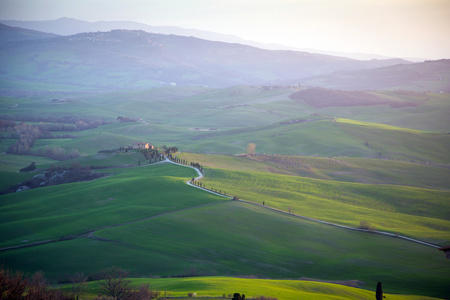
(402, 28)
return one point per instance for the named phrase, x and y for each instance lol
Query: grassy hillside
(421, 213)
(11, 164)
(75, 208)
(281, 289)
(224, 121)
(233, 238)
(323, 136)
(399, 143)
(179, 238)
(359, 170)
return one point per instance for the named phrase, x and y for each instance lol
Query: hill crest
(139, 59)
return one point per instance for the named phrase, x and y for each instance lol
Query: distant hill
(320, 97)
(138, 59)
(14, 34)
(425, 76)
(70, 26)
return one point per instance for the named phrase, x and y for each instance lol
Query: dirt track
(90, 234)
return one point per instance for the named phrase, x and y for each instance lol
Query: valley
(273, 155)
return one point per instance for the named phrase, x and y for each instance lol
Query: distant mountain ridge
(431, 75)
(138, 59)
(13, 34)
(70, 26)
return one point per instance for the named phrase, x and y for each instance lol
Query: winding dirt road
(90, 234)
(311, 219)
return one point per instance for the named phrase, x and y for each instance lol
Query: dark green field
(226, 238)
(71, 209)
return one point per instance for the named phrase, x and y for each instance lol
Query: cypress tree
(379, 293)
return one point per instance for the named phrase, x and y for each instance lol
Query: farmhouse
(142, 145)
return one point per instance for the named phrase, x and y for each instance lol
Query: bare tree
(12, 286)
(79, 285)
(115, 283)
(37, 288)
(251, 147)
(15, 286)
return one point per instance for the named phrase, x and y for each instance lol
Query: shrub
(366, 225)
(15, 286)
(30, 168)
(143, 293)
(12, 286)
(237, 296)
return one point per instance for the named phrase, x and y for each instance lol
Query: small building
(141, 145)
(446, 251)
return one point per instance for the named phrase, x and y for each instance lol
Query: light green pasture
(280, 289)
(360, 170)
(416, 212)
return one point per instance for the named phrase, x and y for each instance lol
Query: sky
(394, 28)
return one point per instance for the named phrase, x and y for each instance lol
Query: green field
(416, 212)
(398, 197)
(11, 164)
(383, 165)
(239, 239)
(358, 170)
(224, 121)
(75, 208)
(216, 287)
(228, 238)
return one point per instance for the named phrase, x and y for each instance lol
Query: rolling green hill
(359, 170)
(421, 213)
(216, 287)
(75, 208)
(225, 121)
(11, 164)
(233, 238)
(177, 236)
(325, 136)
(373, 159)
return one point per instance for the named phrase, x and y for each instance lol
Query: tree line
(67, 119)
(111, 282)
(27, 135)
(53, 176)
(185, 162)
